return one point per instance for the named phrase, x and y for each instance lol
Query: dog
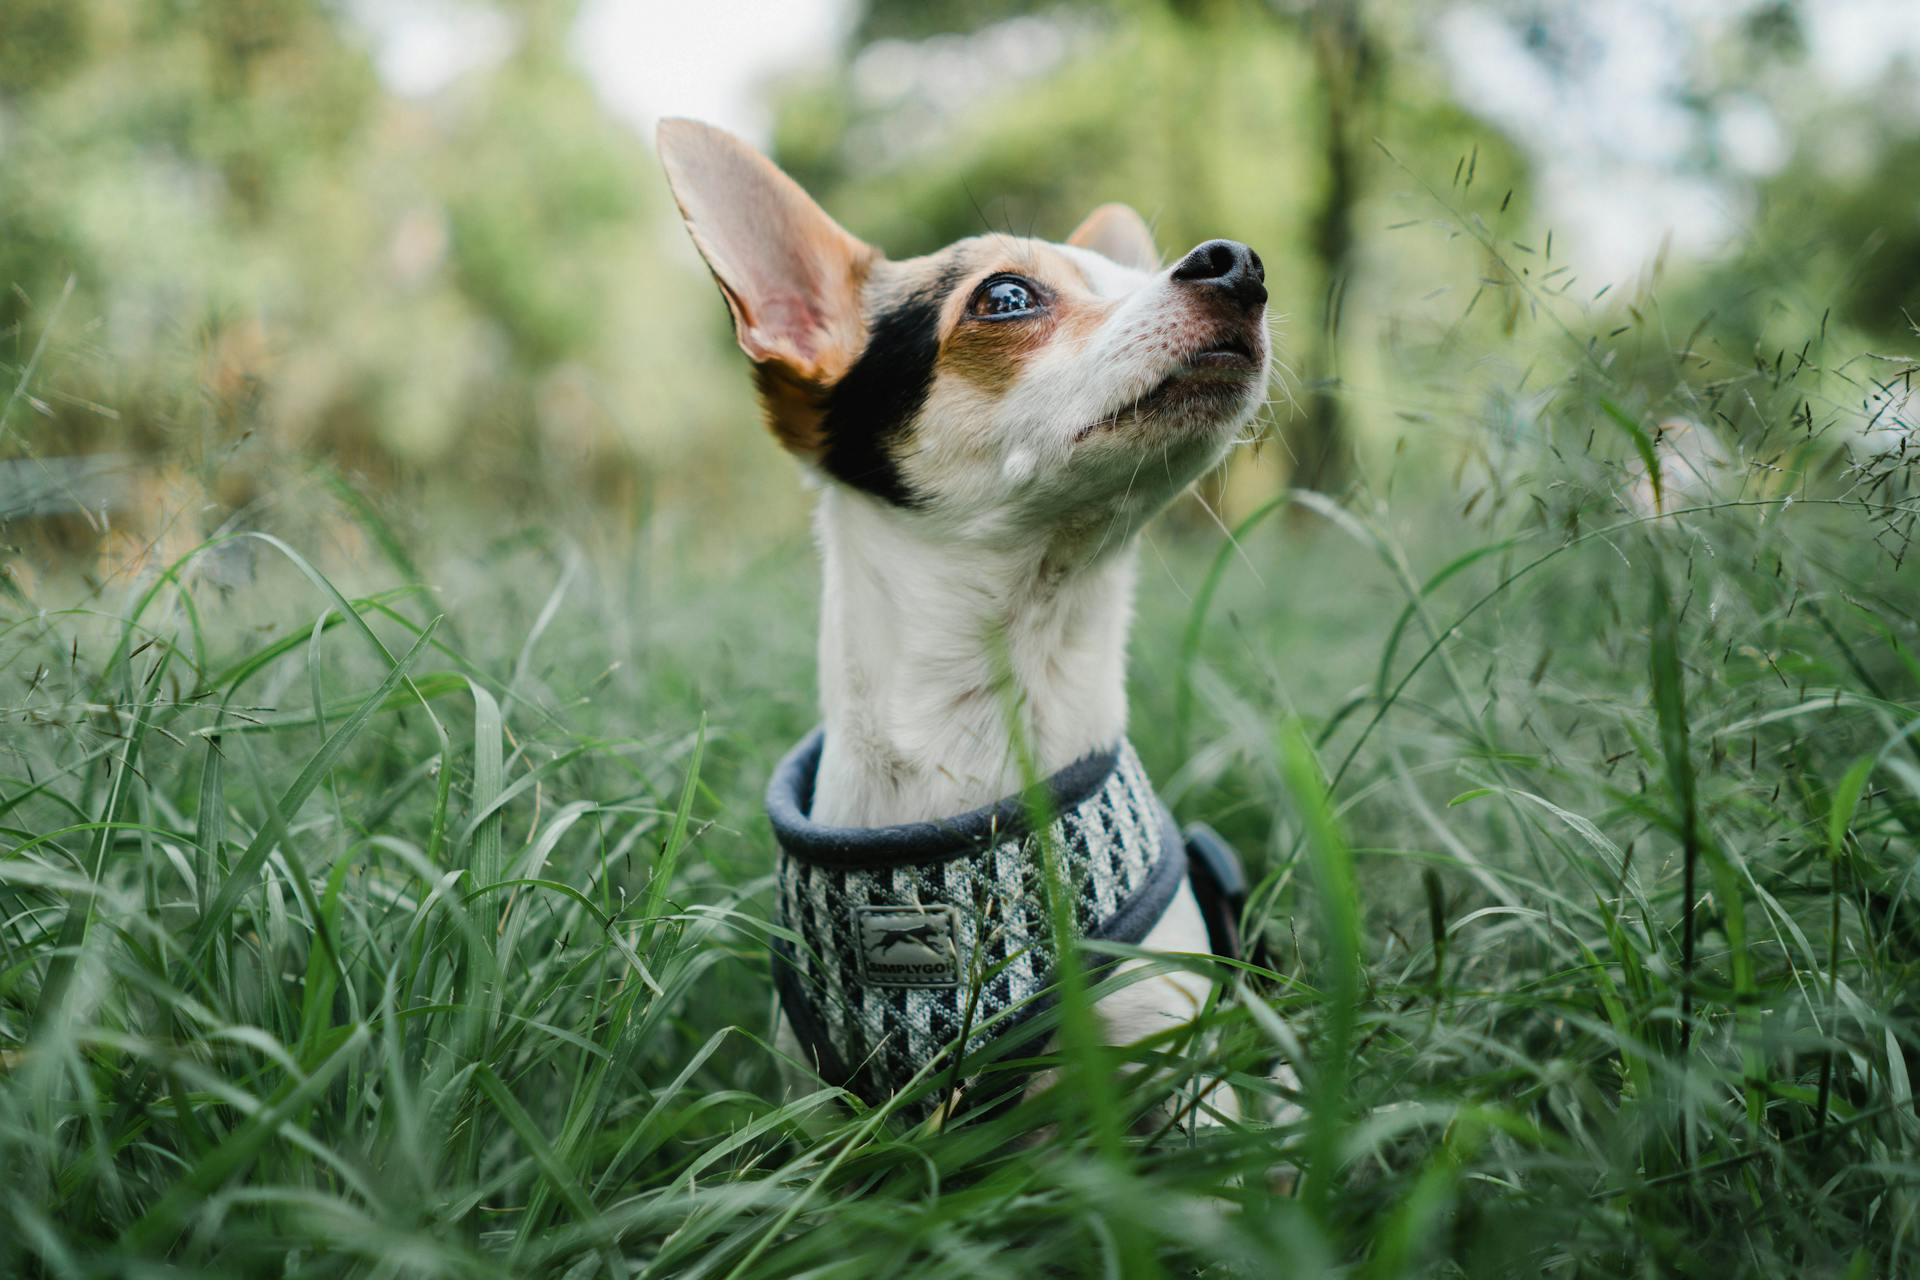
(990, 426)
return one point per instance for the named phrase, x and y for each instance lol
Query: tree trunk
(1320, 450)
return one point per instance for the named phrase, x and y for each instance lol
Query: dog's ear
(791, 275)
(1115, 231)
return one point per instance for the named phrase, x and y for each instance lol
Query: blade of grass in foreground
(210, 834)
(656, 899)
(1079, 1036)
(1846, 797)
(1340, 945)
(1670, 707)
(488, 778)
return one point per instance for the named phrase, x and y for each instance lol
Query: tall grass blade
(1670, 707)
(1339, 921)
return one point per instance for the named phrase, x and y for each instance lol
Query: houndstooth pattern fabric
(994, 894)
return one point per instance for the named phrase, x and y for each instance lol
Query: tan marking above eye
(1061, 265)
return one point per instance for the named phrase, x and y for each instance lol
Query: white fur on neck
(917, 635)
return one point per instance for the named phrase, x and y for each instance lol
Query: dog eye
(1004, 296)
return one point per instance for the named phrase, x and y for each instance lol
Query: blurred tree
(1347, 64)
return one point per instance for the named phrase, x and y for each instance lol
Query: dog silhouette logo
(909, 946)
(926, 935)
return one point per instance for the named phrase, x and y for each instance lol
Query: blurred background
(423, 249)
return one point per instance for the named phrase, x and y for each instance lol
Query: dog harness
(906, 940)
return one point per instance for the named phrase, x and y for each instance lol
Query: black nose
(1226, 265)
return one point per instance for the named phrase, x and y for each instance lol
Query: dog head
(998, 387)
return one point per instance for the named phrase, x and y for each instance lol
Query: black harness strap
(1220, 885)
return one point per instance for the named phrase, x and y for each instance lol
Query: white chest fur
(926, 650)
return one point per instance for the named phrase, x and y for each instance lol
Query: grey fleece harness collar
(910, 939)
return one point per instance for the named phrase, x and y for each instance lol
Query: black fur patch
(870, 409)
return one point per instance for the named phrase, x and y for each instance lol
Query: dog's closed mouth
(1213, 371)
(1232, 353)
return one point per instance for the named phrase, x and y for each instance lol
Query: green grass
(406, 929)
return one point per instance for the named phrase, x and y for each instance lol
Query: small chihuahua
(993, 424)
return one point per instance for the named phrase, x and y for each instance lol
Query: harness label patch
(909, 946)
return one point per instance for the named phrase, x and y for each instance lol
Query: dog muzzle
(908, 942)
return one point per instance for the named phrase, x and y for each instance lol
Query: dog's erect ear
(1117, 232)
(791, 274)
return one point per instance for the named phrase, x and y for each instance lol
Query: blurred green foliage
(272, 256)
(230, 247)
